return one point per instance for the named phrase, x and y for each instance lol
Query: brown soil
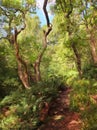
(60, 117)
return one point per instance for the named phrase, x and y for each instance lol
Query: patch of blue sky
(42, 18)
(40, 13)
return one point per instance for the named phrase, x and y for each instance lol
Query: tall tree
(36, 65)
(13, 17)
(67, 8)
(78, 15)
(89, 13)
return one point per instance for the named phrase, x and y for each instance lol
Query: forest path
(60, 115)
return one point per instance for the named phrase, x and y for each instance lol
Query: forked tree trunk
(22, 67)
(36, 65)
(78, 59)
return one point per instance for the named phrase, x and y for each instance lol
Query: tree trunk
(92, 43)
(37, 73)
(93, 48)
(78, 59)
(22, 67)
(36, 65)
(76, 53)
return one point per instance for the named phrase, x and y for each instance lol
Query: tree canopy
(39, 61)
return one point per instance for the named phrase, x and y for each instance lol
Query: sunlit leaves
(18, 4)
(13, 14)
(30, 1)
(11, 3)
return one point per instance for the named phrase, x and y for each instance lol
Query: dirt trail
(60, 115)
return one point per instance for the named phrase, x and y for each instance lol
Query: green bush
(21, 109)
(81, 100)
(80, 94)
(90, 71)
(89, 117)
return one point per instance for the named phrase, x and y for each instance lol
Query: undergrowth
(21, 109)
(83, 101)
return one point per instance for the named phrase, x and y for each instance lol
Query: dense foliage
(37, 61)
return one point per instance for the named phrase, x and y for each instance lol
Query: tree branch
(45, 12)
(36, 65)
(23, 14)
(49, 25)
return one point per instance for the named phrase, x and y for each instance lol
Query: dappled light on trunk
(22, 66)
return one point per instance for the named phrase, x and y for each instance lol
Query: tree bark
(36, 65)
(37, 73)
(93, 48)
(22, 67)
(92, 43)
(78, 59)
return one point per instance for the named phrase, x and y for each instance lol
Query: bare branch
(49, 30)
(45, 12)
(47, 19)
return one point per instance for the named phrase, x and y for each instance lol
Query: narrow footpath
(60, 117)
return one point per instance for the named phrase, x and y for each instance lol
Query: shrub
(82, 101)
(90, 71)
(21, 109)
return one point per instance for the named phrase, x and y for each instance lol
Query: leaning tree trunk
(92, 43)
(93, 48)
(78, 59)
(75, 50)
(36, 65)
(22, 67)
